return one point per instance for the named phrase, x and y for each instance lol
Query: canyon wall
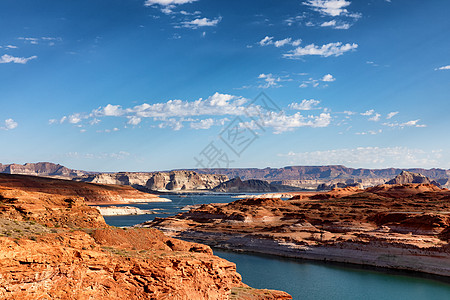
(56, 247)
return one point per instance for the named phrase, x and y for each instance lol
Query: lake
(303, 279)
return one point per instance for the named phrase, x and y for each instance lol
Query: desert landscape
(224, 150)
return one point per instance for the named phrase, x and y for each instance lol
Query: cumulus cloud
(201, 22)
(328, 78)
(443, 68)
(281, 122)
(5, 59)
(331, 49)
(305, 105)
(217, 104)
(9, 124)
(368, 157)
(329, 7)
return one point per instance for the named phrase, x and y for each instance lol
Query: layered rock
(410, 177)
(159, 181)
(41, 169)
(56, 247)
(92, 193)
(311, 176)
(393, 226)
(236, 185)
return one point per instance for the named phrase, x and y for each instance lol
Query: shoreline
(128, 201)
(397, 259)
(352, 266)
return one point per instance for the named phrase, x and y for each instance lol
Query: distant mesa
(236, 185)
(41, 169)
(406, 177)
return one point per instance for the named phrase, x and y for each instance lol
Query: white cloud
(305, 105)
(133, 120)
(412, 123)
(5, 59)
(201, 22)
(331, 49)
(217, 104)
(329, 7)
(268, 40)
(370, 132)
(203, 124)
(9, 124)
(369, 157)
(270, 80)
(375, 118)
(392, 114)
(443, 68)
(280, 122)
(368, 113)
(167, 2)
(344, 26)
(112, 110)
(328, 78)
(74, 119)
(331, 23)
(281, 43)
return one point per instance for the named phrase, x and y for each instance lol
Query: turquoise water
(303, 279)
(313, 280)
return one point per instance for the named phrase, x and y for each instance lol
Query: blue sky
(135, 85)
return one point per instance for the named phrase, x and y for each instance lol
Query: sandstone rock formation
(339, 185)
(393, 226)
(236, 185)
(410, 177)
(41, 169)
(55, 247)
(92, 193)
(159, 181)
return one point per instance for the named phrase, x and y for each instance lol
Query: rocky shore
(392, 226)
(56, 247)
(122, 210)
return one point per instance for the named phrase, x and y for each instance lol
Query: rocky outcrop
(236, 185)
(393, 226)
(92, 193)
(159, 181)
(41, 169)
(410, 177)
(55, 247)
(339, 185)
